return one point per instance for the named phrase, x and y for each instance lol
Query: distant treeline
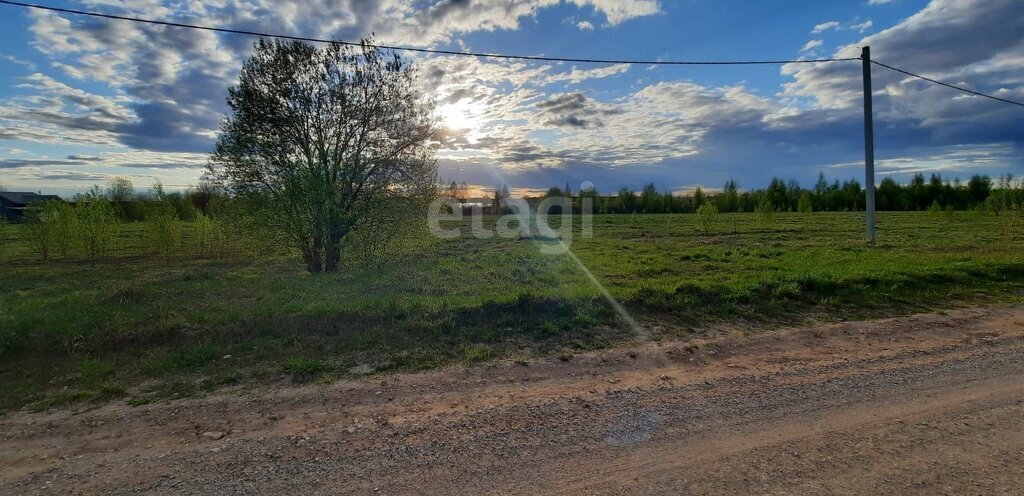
(134, 207)
(788, 196)
(934, 193)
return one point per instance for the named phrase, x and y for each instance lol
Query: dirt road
(928, 404)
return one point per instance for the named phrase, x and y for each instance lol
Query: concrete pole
(869, 147)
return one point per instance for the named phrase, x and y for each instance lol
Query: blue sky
(84, 100)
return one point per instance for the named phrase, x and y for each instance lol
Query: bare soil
(924, 404)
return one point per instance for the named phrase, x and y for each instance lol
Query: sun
(463, 115)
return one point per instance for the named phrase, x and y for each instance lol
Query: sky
(83, 100)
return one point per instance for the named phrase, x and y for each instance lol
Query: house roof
(24, 198)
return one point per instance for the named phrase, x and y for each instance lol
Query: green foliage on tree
(162, 231)
(121, 192)
(1011, 222)
(729, 200)
(765, 212)
(626, 201)
(650, 200)
(208, 237)
(707, 215)
(319, 138)
(1006, 200)
(787, 196)
(67, 229)
(806, 203)
(97, 218)
(39, 229)
(699, 197)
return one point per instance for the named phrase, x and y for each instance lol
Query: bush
(765, 212)
(40, 229)
(806, 204)
(162, 232)
(207, 236)
(97, 219)
(183, 208)
(707, 214)
(66, 228)
(1011, 221)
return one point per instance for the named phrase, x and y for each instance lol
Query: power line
(488, 55)
(930, 80)
(420, 50)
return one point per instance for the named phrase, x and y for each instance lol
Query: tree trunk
(311, 256)
(312, 263)
(332, 255)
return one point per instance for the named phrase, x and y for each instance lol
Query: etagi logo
(518, 218)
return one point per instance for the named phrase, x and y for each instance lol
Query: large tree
(326, 142)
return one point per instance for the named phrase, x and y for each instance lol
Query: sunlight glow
(464, 115)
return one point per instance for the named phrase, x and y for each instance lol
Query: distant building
(13, 203)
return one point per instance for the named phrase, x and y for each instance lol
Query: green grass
(163, 327)
(306, 368)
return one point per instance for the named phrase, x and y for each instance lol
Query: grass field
(143, 329)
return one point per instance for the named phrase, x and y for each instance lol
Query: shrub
(707, 214)
(1011, 221)
(207, 235)
(806, 204)
(65, 225)
(40, 229)
(162, 232)
(765, 212)
(183, 208)
(97, 219)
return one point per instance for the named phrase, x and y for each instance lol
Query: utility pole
(869, 146)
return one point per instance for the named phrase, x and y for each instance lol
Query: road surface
(924, 404)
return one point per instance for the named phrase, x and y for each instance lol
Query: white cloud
(854, 25)
(580, 75)
(619, 11)
(15, 60)
(825, 26)
(862, 26)
(811, 45)
(585, 26)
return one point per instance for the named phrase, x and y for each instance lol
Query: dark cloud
(71, 176)
(462, 93)
(14, 163)
(572, 121)
(446, 8)
(566, 102)
(573, 110)
(166, 127)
